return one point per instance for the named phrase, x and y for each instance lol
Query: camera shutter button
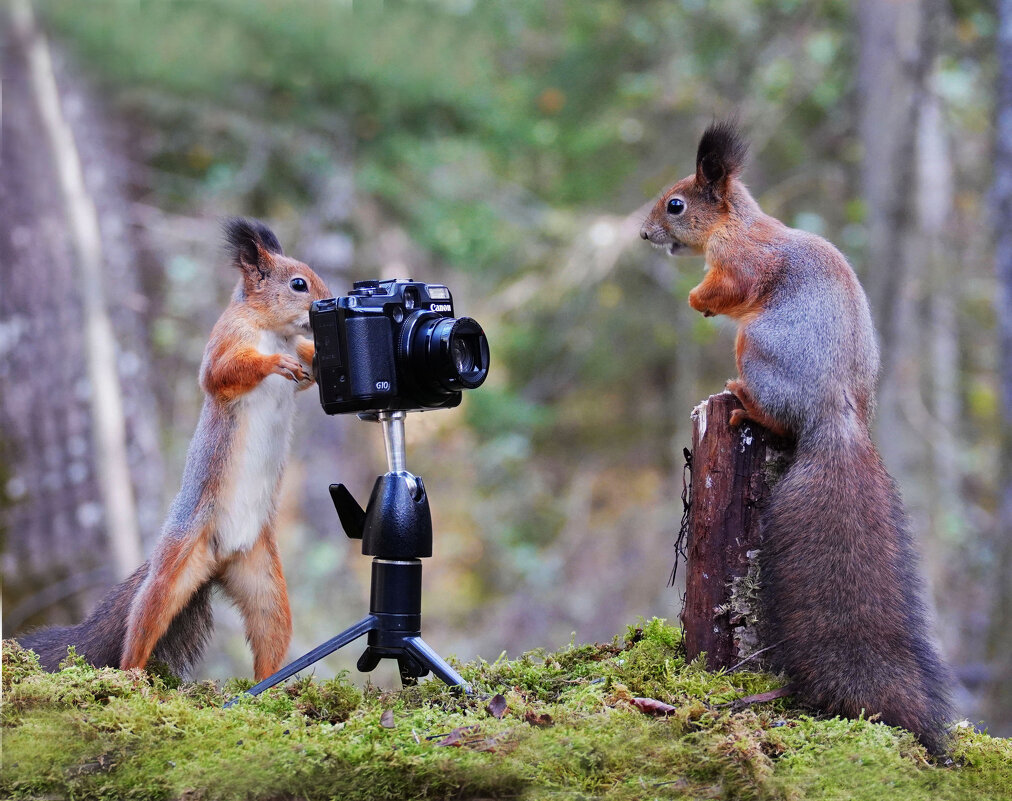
(364, 288)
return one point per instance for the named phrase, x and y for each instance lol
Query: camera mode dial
(364, 288)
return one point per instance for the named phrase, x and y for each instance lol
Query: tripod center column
(397, 591)
(393, 440)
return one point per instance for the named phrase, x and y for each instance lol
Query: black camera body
(395, 345)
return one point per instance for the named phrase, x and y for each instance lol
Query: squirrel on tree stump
(840, 584)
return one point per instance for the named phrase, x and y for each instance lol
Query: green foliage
(571, 729)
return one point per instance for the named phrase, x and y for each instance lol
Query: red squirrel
(220, 527)
(840, 585)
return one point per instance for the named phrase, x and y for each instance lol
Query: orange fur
(256, 584)
(752, 410)
(183, 567)
(220, 526)
(234, 371)
(721, 292)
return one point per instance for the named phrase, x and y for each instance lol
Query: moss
(571, 730)
(330, 700)
(17, 664)
(776, 465)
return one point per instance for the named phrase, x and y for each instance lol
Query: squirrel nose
(643, 232)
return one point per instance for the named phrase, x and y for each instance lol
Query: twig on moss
(751, 656)
(759, 698)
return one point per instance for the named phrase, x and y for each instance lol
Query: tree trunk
(733, 470)
(1000, 645)
(105, 395)
(54, 521)
(892, 67)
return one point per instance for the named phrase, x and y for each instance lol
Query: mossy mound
(565, 725)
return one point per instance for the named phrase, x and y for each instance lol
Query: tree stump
(733, 470)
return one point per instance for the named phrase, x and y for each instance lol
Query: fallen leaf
(387, 719)
(497, 706)
(651, 706)
(457, 737)
(543, 720)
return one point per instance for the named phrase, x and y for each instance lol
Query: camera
(395, 345)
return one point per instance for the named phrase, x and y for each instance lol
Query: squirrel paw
(696, 304)
(305, 350)
(289, 367)
(738, 416)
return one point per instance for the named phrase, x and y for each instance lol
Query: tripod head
(396, 523)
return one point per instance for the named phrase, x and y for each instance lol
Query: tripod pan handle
(348, 510)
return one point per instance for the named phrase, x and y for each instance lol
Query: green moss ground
(570, 731)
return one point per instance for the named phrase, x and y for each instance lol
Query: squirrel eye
(676, 205)
(299, 285)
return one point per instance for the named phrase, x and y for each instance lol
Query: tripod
(396, 530)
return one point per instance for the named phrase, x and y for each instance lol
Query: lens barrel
(443, 354)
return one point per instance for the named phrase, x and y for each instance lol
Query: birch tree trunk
(939, 360)
(78, 428)
(891, 72)
(1000, 645)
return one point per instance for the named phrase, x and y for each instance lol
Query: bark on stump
(732, 471)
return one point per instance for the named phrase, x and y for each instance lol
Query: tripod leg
(421, 651)
(410, 669)
(364, 626)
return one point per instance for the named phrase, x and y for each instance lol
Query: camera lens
(458, 351)
(463, 356)
(444, 354)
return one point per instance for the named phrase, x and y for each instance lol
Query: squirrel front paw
(289, 367)
(698, 305)
(738, 416)
(737, 388)
(304, 350)
(308, 378)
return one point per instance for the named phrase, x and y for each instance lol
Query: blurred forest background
(508, 148)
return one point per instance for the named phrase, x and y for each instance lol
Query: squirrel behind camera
(840, 584)
(220, 527)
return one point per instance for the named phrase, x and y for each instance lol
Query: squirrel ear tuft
(721, 154)
(247, 239)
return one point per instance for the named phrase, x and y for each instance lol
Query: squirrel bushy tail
(99, 638)
(851, 625)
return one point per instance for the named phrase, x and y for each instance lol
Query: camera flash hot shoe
(396, 530)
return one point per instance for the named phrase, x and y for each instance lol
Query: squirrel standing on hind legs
(840, 586)
(220, 527)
